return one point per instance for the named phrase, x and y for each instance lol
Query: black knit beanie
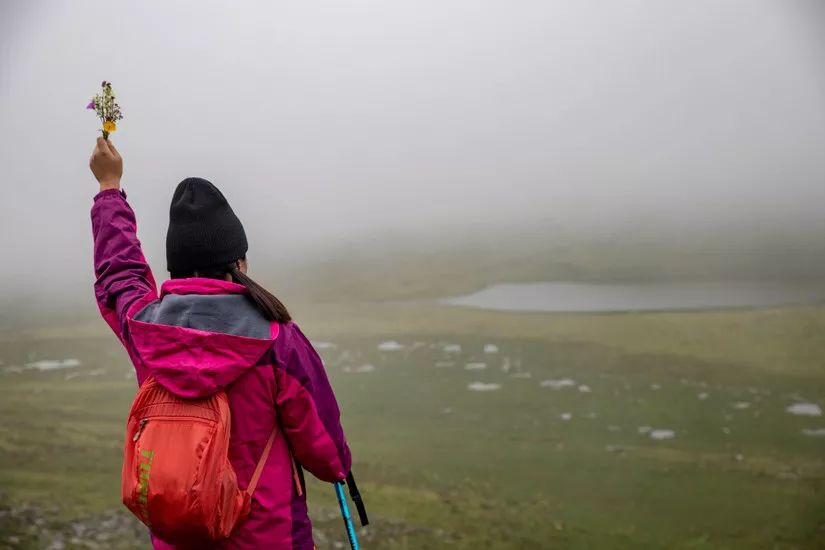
(203, 231)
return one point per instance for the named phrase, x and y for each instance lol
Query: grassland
(445, 467)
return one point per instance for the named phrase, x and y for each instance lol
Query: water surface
(595, 297)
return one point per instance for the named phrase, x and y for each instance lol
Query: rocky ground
(24, 527)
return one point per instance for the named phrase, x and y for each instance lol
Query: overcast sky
(330, 122)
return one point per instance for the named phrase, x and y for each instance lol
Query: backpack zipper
(140, 429)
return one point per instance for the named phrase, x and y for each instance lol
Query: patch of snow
(481, 386)
(558, 384)
(452, 348)
(741, 405)
(490, 348)
(702, 396)
(585, 389)
(805, 409)
(662, 434)
(13, 368)
(51, 364)
(644, 429)
(522, 375)
(390, 345)
(475, 366)
(71, 375)
(365, 368)
(566, 416)
(96, 372)
(818, 432)
(444, 364)
(323, 345)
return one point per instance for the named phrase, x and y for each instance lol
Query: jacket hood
(200, 336)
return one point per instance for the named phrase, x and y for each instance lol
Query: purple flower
(91, 105)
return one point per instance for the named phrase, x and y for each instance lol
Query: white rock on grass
(390, 345)
(475, 366)
(490, 348)
(566, 416)
(805, 409)
(51, 364)
(558, 384)
(662, 434)
(481, 386)
(585, 389)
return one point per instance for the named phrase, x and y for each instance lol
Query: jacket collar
(200, 285)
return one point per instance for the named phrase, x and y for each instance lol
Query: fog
(336, 124)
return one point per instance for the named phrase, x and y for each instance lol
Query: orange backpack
(176, 476)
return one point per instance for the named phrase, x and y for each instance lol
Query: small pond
(602, 297)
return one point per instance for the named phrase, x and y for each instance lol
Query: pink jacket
(201, 335)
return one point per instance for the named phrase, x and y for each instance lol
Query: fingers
(112, 148)
(103, 146)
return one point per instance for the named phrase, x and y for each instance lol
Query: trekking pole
(342, 502)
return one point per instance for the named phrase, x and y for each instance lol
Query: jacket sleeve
(307, 409)
(124, 280)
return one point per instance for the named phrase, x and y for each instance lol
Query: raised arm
(307, 408)
(124, 280)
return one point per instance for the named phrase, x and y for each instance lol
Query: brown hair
(270, 306)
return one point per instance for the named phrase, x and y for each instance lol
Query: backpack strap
(259, 468)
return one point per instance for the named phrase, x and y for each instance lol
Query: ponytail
(269, 306)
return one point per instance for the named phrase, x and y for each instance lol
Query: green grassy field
(520, 465)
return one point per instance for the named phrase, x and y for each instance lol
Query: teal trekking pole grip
(342, 503)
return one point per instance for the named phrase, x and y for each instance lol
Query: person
(211, 328)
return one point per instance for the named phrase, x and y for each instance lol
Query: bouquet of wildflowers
(107, 110)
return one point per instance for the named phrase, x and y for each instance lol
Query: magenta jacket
(201, 335)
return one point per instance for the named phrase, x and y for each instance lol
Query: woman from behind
(211, 329)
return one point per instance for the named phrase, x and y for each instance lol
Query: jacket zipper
(140, 429)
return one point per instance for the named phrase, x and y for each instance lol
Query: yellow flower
(109, 126)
